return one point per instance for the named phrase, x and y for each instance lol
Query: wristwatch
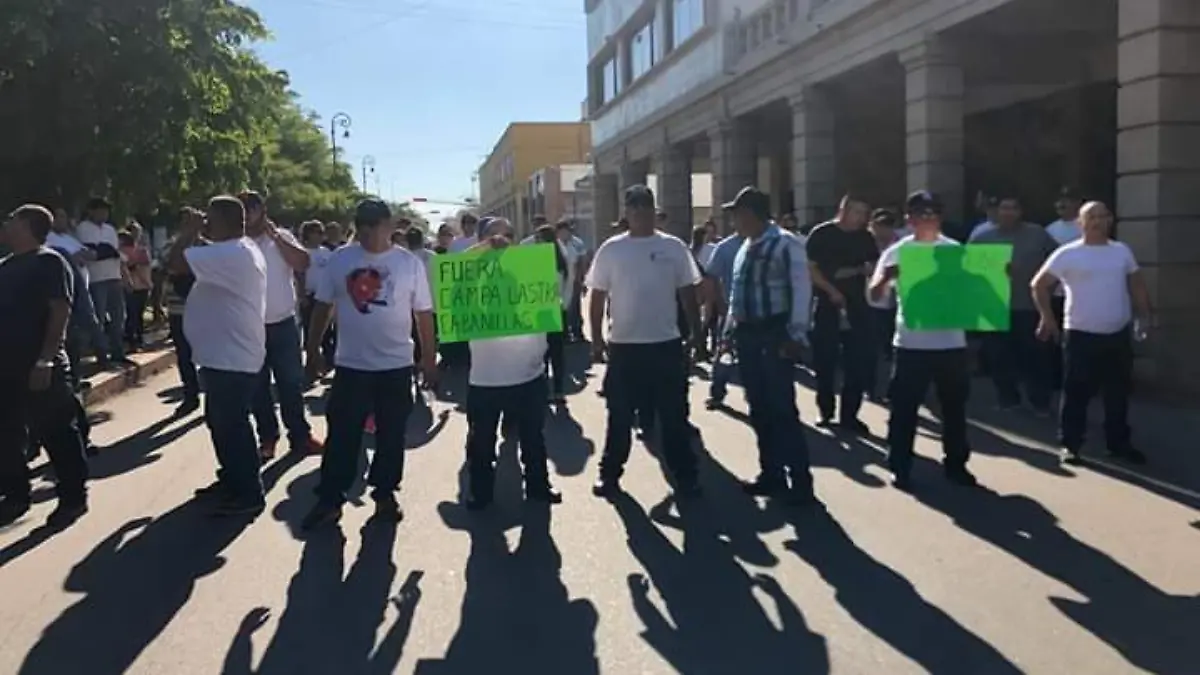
(44, 363)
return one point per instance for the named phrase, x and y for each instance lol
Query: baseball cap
(251, 199)
(884, 217)
(371, 212)
(98, 203)
(639, 195)
(922, 202)
(752, 199)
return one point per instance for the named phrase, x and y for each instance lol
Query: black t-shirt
(28, 283)
(831, 248)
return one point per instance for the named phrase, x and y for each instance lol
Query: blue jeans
(284, 361)
(227, 402)
(353, 396)
(108, 298)
(183, 359)
(771, 394)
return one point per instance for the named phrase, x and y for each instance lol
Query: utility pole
(368, 163)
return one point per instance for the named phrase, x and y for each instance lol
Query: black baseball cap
(639, 196)
(884, 217)
(251, 199)
(754, 200)
(98, 203)
(923, 202)
(371, 212)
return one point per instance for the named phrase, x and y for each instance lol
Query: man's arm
(690, 301)
(599, 299)
(1042, 286)
(885, 271)
(322, 316)
(1139, 295)
(295, 255)
(425, 333)
(801, 282)
(59, 284)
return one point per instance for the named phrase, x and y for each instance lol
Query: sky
(429, 85)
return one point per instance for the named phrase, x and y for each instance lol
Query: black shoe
(764, 487)
(66, 513)
(187, 407)
(1129, 454)
(961, 476)
(11, 510)
(322, 514)
(235, 508)
(479, 503)
(825, 423)
(856, 426)
(1072, 456)
(801, 499)
(604, 487)
(688, 489)
(545, 494)
(214, 489)
(902, 482)
(387, 510)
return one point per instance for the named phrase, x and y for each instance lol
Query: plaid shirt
(770, 279)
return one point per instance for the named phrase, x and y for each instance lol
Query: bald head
(1095, 219)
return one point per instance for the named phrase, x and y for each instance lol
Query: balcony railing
(770, 24)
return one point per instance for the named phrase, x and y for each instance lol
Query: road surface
(1045, 570)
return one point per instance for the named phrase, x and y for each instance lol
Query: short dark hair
(544, 233)
(563, 224)
(414, 237)
(252, 199)
(229, 210)
(310, 228)
(36, 217)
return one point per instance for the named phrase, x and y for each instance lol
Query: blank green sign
(496, 293)
(956, 287)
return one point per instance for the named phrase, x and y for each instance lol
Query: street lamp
(339, 121)
(368, 162)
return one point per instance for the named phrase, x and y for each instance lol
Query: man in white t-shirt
(285, 258)
(83, 329)
(924, 357)
(642, 276)
(223, 322)
(1106, 295)
(376, 289)
(312, 237)
(1064, 231)
(507, 380)
(104, 275)
(578, 255)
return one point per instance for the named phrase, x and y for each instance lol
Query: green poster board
(491, 293)
(956, 287)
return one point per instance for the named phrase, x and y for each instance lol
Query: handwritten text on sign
(495, 293)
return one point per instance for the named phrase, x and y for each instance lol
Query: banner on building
(956, 287)
(491, 293)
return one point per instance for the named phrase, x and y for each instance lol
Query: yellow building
(524, 148)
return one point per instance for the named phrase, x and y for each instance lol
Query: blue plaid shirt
(770, 279)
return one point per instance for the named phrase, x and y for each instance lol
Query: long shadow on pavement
(329, 624)
(134, 582)
(140, 448)
(566, 445)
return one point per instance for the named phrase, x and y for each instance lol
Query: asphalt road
(1044, 570)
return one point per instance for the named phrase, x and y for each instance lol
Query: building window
(688, 19)
(611, 80)
(641, 51)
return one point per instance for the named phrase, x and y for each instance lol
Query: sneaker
(1131, 455)
(11, 510)
(961, 476)
(233, 508)
(606, 487)
(322, 514)
(1072, 456)
(545, 494)
(387, 510)
(266, 449)
(66, 513)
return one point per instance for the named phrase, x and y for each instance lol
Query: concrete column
(934, 123)
(675, 188)
(1158, 167)
(605, 204)
(733, 158)
(813, 177)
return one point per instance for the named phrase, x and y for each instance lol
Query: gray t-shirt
(1031, 246)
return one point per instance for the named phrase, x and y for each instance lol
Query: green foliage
(154, 102)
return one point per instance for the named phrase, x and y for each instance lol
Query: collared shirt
(720, 266)
(770, 278)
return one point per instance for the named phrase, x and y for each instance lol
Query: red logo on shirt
(364, 286)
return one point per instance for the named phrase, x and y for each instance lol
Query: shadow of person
(140, 448)
(885, 603)
(329, 625)
(517, 615)
(578, 362)
(134, 582)
(954, 297)
(568, 449)
(712, 622)
(423, 426)
(1153, 630)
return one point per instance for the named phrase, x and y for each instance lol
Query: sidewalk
(158, 356)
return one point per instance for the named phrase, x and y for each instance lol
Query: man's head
(373, 222)
(414, 239)
(226, 218)
(312, 233)
(710, 230)
(26, 227)
(639, 207)
(445, 235)
(468, 224)
(1096, 220)
(98, 210)
(751, 210)
(62, 221)
(923, 210)
(789, 222)
(538, 221)
(335, 234)
(1068, 204)
(883, 218)
(256, 211)
(562, 230)
(1008, 211)
(496, 227)
(853, 212)
(545, 234)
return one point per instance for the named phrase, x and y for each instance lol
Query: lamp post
(368, 163)
(339, 121)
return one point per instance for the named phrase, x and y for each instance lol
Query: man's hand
(314, 364)
(891, 272)
(1048, 330)
(39, 377)
(793, 350)
(599, 350)
(429, 370)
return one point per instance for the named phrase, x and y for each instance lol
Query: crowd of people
(258, 312)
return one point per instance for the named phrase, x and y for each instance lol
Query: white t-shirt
(281, 278)
(72, 246)
(704, 256)
(905, 338)
(642, 276)
(374, 295)
(1064, 231)
(319, 257)
(223, 317)
(507, 361)
(460, 244)
(1096, 279)
(90, 233)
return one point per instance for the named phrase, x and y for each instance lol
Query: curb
(106, 385)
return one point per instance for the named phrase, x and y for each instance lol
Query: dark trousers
(1058, 305)
(1018, 357)
(228, 398)
(1093, 364)
(523, 406)
(354, 396)
(51, 418)
(650, 378)
(285, 363)
(135, 316)
(183, 359)
(770, 392)
(328, 340)
(913, 371)
(883, 329)
(574, 323)
(556, 358)
(848, 350)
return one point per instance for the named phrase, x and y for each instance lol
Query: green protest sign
(956, 287)
(490, 293)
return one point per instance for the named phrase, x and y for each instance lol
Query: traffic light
(419, 200)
